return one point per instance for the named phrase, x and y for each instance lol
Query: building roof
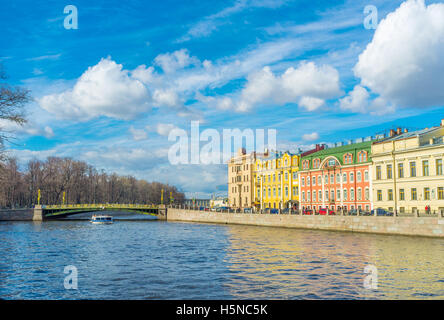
(407, 135)
(341, 150)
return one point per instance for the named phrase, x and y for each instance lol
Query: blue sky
(110, 91)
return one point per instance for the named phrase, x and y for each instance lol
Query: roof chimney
(406, 130)
(442, 123)
(392, 133)
(398, 130)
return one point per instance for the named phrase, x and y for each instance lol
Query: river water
(149, 259)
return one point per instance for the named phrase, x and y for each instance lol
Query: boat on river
(101, 219)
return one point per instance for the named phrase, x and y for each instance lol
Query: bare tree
(80, 182)
(12, 102)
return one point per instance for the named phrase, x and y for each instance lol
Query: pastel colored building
(276, 180)
(337, 178)
(240, 179)
(408, 171)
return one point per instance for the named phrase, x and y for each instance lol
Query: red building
(337, 178)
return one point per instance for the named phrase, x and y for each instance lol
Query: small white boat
(101, 219)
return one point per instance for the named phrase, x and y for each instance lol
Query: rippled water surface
(165, 260)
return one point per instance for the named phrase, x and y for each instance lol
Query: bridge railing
(100, 206)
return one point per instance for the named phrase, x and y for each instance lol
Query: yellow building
(408, 171)
(276, 180)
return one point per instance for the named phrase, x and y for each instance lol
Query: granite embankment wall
(412, 226)
(16, 215)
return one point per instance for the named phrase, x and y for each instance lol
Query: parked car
(382, 212)
(307, 211)
(326, 211)
(274, 211)
(353, 212)
(285, 211)
(248, 210)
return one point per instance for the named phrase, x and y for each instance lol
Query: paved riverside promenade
(411, 226)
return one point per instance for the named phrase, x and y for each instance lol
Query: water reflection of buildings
(275, 263)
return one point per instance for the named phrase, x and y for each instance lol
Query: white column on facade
(290, 185)
(370, 189)
(282, 191)
(342, 187)
(262, 191)
(323, 189)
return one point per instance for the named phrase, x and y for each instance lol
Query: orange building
(337, 178)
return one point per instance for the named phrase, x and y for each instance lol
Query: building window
(286, 176)
(303, 182)
(362, 156)
(352, 194)
(338, 194)
(326, 179)
(440, 193)
(390, 194)
(412, 169)
(400, 170)
(389, 172)
(319, 180)
(332, 192)
(274, 177)
(274, 192)
(314, 181)
(365, 175)
(286, 191)
(345, 194)
(269, 192)
(295, 175)
(294, 191)
(352, 177)
(439, 167)
(308, 196)
(308, 181)
(279, 192)
(414, 194)
(426, 193)
(378, 173)
(358, 176)
(359, 194)
(379, 195)
(332, 179)
(303, 195)
(347, 158)
(338, 178)
(326, 195)
(401, 194)
(320, 195)
(425, 168)
(344, 178)
(314, 195)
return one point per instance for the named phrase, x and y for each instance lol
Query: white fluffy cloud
(170, 62)
(404, 61)
(30, 128)
(308, 85)
(311, 136)
(164, 129)
(104, 89)
(359, 101)
(166, 97)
